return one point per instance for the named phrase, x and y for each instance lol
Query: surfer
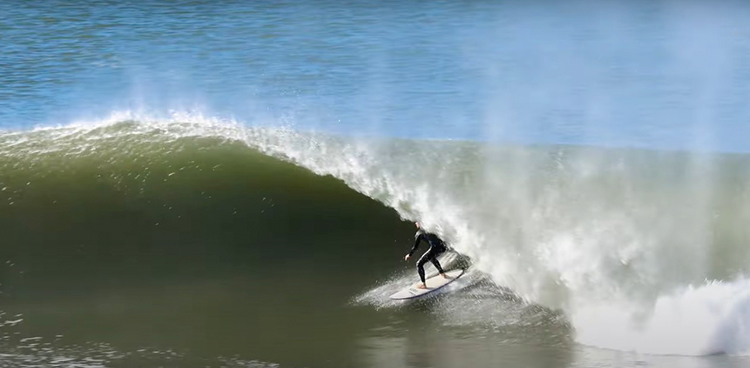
(437, 247)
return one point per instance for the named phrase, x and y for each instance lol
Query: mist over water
(590, 160)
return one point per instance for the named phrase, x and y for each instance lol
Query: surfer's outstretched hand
(406, 257)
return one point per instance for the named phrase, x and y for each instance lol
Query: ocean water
(232, 184)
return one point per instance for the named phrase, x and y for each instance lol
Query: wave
(633, 245)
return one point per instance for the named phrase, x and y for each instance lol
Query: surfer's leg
(435, 263)
(437, 266)
(420, 265)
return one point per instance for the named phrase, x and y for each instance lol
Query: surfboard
(433, 284)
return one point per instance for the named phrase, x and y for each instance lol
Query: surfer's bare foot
(422, 286)
(445, 276)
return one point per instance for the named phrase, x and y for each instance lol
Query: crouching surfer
(437, 247)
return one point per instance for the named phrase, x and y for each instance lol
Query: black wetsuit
(437, 246)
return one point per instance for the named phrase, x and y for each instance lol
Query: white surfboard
(433, 284)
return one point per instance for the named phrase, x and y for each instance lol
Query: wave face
(176, 240)
(76, 199)
(642, 250)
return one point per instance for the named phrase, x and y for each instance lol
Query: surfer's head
(416, 223)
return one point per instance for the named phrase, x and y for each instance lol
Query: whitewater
(642, 250)
(645, 251)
